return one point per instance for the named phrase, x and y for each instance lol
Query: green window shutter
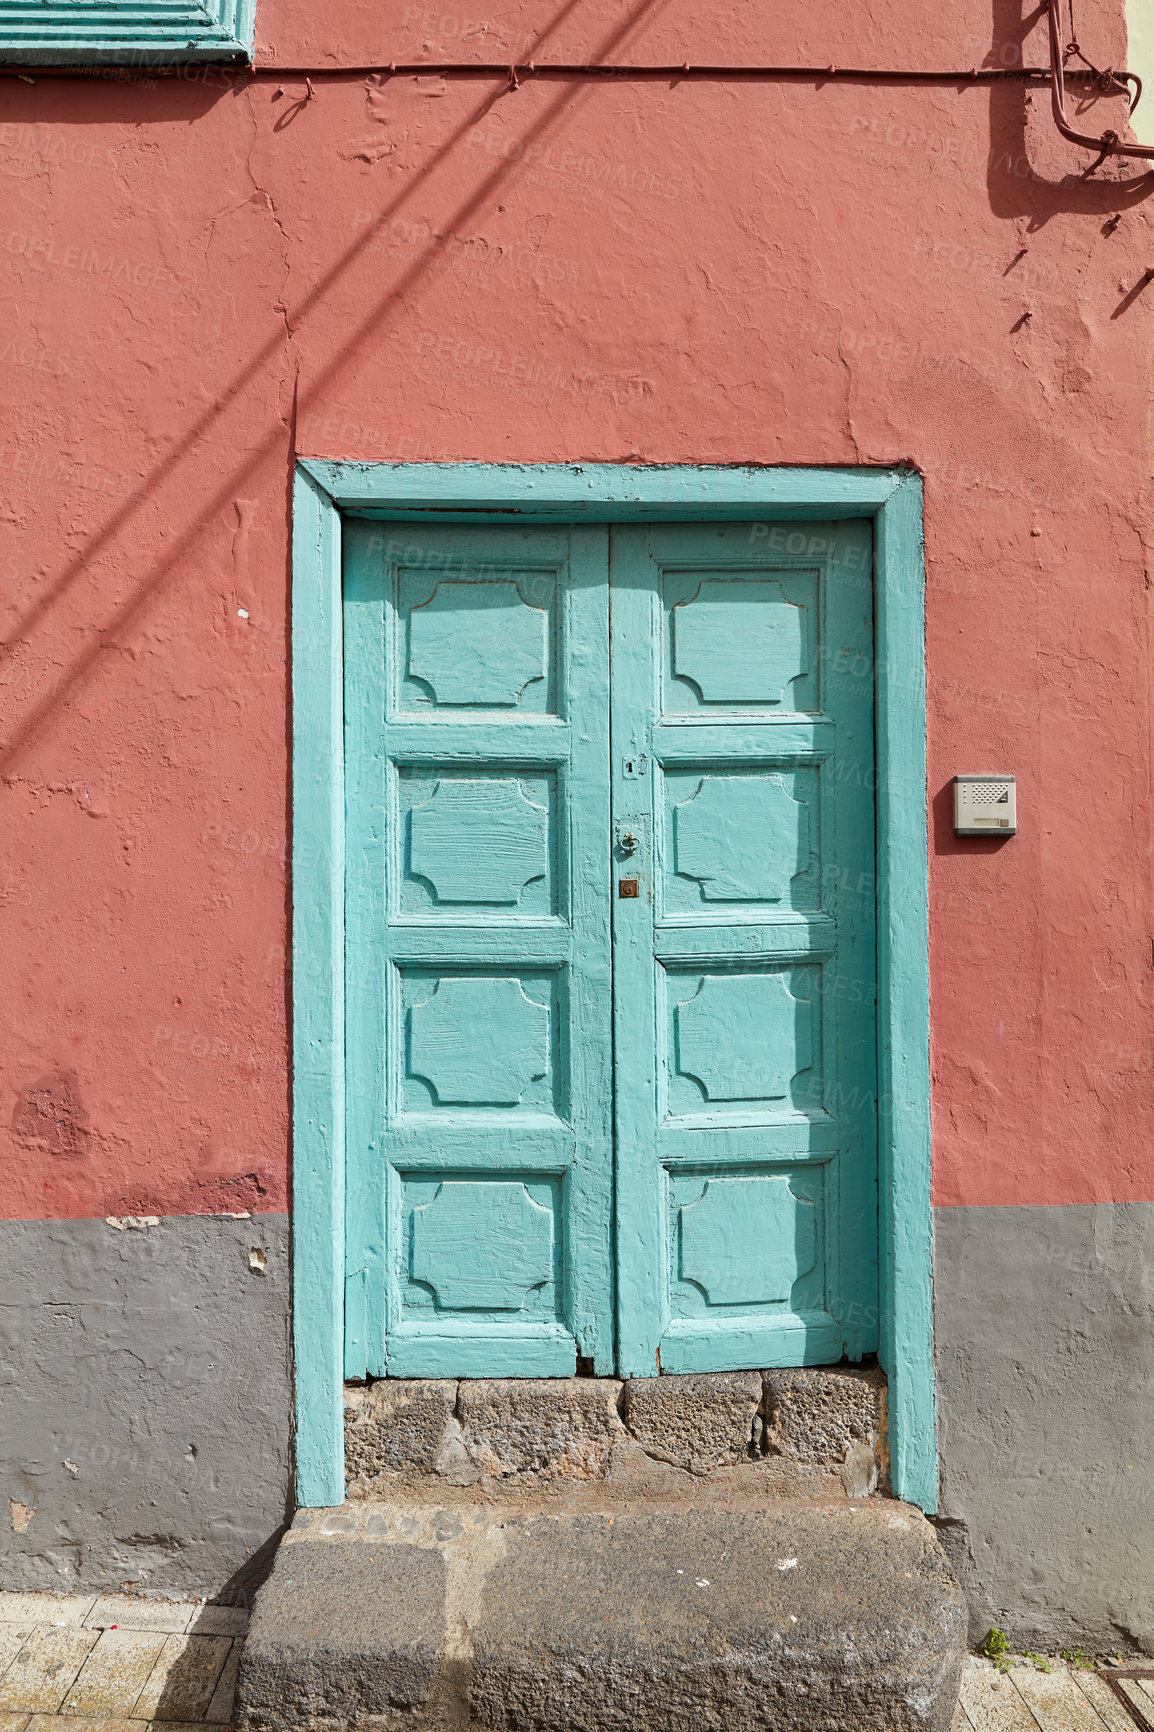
(146, 34)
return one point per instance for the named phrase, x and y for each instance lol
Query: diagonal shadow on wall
(571, 95)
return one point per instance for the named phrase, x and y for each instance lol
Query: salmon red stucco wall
(204, 277)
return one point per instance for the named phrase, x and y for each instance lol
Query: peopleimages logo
(508, 370)
(584, 172)
(25, 466)
(473, 254)
(100, 271)
(50, 146)
(41, 360)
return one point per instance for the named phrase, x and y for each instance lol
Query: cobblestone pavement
(116, 1663)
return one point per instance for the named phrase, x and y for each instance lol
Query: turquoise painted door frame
(329, 494)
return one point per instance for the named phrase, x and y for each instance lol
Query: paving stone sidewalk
(1064, 1699)
(115, 1663)
(112, 1662)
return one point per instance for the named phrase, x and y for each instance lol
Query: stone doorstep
(790, 1617)
(466, 1431)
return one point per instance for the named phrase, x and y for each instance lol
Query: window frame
(105, 33)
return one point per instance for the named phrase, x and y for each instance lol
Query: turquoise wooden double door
(610, 948)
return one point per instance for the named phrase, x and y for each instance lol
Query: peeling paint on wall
(49, 1116)
(20, 1515)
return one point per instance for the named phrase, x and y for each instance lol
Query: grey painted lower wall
(1044, 1323)
(145, 1400)
(145, 1403)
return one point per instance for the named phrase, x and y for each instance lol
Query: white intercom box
(985, 806)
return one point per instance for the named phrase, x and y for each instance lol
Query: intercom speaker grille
(987, 793)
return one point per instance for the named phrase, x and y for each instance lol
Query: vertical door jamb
(318, 977)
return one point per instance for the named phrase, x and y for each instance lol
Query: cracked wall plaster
(146, 1398)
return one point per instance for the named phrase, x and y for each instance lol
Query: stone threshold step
(795, 1617)
(796, 1432)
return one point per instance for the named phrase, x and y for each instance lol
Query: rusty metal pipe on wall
(1108, 143)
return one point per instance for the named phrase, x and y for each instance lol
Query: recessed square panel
(741, 838)
(480, 841)
(488, 1247)
(478, 1041)
(746, 1241)
(742, 1045)
(738, 642)
(482, 638)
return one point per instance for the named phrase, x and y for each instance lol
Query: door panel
(744, 951)
(495, 835)
(479, 1153)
